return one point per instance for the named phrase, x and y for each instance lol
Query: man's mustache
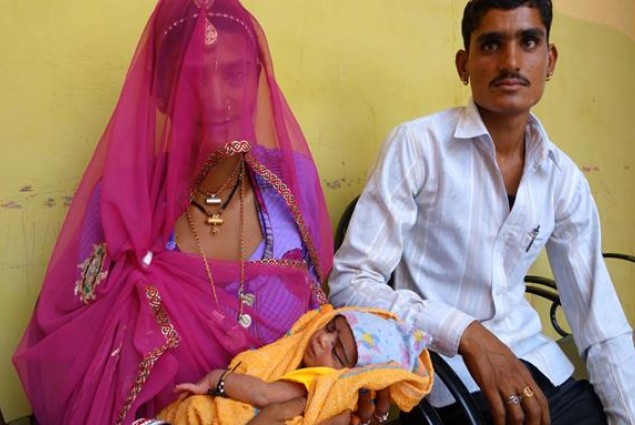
(509, 76)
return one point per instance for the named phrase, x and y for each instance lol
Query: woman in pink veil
(199, 228)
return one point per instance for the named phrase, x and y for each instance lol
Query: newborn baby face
(332, 346)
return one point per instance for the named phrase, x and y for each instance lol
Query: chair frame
(546, 288)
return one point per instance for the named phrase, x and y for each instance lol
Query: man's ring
(514, 399)
(366, 423)
(527, 392)
(382, 418)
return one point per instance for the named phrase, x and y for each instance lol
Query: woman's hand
(369, 412)
(278, 413)
(343, 418)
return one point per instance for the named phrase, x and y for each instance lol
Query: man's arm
(385, 213)
(247, 389)
(602, 333)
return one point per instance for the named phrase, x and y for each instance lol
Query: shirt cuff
(611, 367)
(446, 326)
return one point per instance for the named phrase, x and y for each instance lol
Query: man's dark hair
(476, 9)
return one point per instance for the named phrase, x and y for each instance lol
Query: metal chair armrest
(550, 294)
(619, 256)
(425, 412)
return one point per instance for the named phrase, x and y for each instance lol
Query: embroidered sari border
(146, 365)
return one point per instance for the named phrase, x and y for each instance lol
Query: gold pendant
(215, 220)
(211, 34)
(244, 320)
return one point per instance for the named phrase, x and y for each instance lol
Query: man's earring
(549, 75)
(466, 81)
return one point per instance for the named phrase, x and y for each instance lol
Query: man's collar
(470, 125)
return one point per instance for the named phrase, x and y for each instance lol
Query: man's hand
(501, 376)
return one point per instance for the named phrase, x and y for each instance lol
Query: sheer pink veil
(200, 86)
(150, 153)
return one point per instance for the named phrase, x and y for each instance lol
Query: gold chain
(200, 250)
(241, 282)
(201, 191)
(241, 247)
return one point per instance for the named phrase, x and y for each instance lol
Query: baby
(352, 338)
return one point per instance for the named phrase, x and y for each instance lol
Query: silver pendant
(213, 200)
(248, 299)
(244, 320)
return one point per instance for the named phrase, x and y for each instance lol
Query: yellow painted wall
(351, 71)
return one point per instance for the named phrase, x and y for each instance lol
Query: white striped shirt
(435, 210)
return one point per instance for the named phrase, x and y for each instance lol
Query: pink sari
(121, 318)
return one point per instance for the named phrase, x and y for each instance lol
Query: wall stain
(10, 205)
(341, 183)
(590, 168)
(25, 201)
(627, 168)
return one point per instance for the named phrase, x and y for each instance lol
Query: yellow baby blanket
(329, 395)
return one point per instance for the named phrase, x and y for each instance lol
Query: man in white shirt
(459, 205)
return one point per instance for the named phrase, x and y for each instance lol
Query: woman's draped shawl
(329, 395)
(121, 318)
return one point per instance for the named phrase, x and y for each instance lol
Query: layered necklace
(214, 218)
(244, 299)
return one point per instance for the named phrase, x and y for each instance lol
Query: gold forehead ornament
(211, 33)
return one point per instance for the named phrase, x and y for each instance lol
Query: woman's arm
(279, 413)
(247, 389)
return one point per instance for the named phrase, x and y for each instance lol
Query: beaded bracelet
(219, 391)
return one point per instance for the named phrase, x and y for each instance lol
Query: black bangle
(219, 391)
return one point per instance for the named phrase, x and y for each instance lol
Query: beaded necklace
(247, 299)
(215, 219)
(212, 197)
